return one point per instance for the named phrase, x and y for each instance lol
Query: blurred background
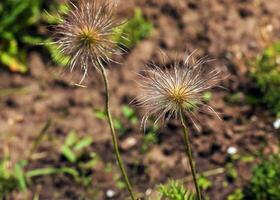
(54, 139)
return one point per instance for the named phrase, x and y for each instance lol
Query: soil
(231, 32)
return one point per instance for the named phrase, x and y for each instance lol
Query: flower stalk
(85, 35)
(189, 154)
(113, 133)
(177, 92)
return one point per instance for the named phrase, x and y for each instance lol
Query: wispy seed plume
(85, 34)
(179, 88)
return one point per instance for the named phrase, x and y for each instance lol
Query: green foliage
(119, 182)
(231, 172)
(236, 195)
(134, 30)
(204, 183)
(19, 22)
(206, 97)
(8, 181)
(149, 138)
(81, 162)
(11, 179)
(128, 113)
(174, 190)
(62, 170)
(266, 74)
(73, 146)
(118, 125)
(265, 181)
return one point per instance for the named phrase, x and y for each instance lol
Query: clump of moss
(266, 74)
(174, 190)
(265, 181)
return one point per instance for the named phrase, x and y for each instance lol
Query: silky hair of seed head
(168, 91)
(85, 34)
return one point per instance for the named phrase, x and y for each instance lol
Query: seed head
(167, 92)
(85, 34)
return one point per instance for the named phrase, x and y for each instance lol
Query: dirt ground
(229, 31)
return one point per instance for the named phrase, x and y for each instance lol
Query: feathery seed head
(85, 34)
(167, 92)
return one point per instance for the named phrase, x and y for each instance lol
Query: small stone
(148, 192)
(276, 124)
(110, 193)
(128, 143)
(232, 150)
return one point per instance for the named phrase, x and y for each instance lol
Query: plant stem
(39, 138)
(113, 133)
(189, 154)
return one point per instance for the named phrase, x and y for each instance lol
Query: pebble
(128, 143)
(232, 150)
(110, 193)
(276, 124)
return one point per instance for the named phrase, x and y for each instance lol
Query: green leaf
(100, 114)
(54, 15)
(90, 164)
(119, 126)
(204, 183)
(83, 143)
(236, 195)
(231, 171)
(20, 176)
(13, 63)
(71, 171)
(32, 40)
(56, 54)
(207, 96)
(134, 30)
(127, 111)
(129, 114)
(71, 138)
(68, 154)
(41, 172)
(11, 18)
(51, 170)
(120, 184)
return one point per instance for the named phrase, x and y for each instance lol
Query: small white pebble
(276, 124)
(110, 193)
(148, 192)
(232, 150)
(131, 141)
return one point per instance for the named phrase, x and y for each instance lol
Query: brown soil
(230, 31)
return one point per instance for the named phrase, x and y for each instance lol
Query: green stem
(189, 154)
(113, 133)
(39, 138)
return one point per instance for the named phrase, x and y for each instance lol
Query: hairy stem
(189, 154)
(113, 133)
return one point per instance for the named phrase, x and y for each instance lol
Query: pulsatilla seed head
(87, 37)
(168, 91)
(85, 34)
